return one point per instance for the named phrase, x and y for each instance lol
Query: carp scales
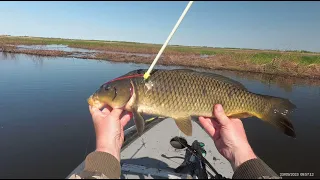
(182, 94)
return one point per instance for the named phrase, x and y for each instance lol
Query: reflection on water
(7, 56)
(46, 128)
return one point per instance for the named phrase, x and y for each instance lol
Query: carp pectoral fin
(240, 115)
(139, 121)
(185, 125)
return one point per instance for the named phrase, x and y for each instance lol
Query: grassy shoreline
(284, 63)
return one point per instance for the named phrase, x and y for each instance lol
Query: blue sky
(261, 25)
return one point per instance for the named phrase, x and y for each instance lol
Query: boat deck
(146, 157)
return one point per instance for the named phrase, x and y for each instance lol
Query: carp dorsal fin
(185, 125)
(215, 76)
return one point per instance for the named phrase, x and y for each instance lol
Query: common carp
(182, 94)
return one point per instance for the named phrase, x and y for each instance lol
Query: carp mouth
(114, 96)
(94, 101)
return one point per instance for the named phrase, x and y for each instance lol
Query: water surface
(46, 128)
(56, 47)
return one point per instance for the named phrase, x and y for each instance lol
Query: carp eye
(106, 87)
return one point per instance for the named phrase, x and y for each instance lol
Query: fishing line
(147, 74)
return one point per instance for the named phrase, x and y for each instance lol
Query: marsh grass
(293, 63)
(307, 60)
(264, 58)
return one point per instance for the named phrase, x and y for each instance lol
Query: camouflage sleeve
(99, 165)
(254, 169)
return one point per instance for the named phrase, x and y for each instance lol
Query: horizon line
(191, 46)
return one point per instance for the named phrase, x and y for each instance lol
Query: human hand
(229, 137)
(109, 129)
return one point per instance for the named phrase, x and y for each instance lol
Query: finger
(207, 125)
(220, 115)
(123, 113)
(107, 109)
(116, 113)
(126, 113)
(125, 119)
(93, 110)
(217, 128)
(215, 123)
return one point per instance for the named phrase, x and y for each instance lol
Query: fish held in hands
(181, 94)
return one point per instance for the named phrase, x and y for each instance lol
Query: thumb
(220, 115)
(93, 110)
